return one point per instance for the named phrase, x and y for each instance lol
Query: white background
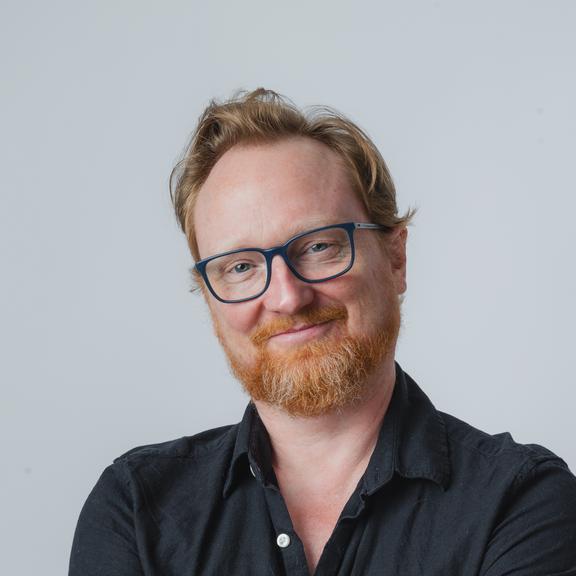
(471, 103)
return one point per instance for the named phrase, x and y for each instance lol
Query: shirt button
(283, 540)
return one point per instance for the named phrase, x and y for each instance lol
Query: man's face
(307, 348)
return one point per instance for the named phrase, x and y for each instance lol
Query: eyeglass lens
(315, 256)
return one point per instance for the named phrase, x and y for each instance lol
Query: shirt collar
(412, 440)
(251, 450)
(412, 443)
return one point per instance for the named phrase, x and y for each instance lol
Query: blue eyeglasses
(314, 256)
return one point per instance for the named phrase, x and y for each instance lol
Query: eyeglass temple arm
(366, 226)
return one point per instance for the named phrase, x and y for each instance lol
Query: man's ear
(196, 283)
(397, 255)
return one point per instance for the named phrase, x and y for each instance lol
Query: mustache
(307, 317)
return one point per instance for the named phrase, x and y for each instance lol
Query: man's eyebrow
(291, 231)
(312, 224)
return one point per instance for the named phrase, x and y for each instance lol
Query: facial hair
(318, 377)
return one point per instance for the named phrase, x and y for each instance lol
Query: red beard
(319, 377)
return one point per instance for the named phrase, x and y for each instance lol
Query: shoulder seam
(532, 462)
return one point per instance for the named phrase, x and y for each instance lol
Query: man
(341, 465)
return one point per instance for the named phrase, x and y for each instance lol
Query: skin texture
(259, 196)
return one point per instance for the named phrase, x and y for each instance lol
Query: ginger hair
(264, 116)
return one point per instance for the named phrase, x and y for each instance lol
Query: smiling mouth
(298, 328)
(301, 331)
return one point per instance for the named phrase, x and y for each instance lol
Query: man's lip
(298, 328)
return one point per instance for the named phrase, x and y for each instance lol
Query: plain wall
(104, 348)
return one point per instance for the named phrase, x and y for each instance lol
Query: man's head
(257, 173)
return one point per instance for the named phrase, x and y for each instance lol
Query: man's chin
(322, 377)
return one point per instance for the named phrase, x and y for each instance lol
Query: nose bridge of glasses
(286, 292)
(284, 260)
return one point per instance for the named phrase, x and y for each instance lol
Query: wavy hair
(264, 116)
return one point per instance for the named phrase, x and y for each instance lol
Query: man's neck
(332, 445)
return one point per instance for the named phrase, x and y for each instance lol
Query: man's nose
(286, 293)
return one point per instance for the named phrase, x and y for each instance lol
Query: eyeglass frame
(281, 250)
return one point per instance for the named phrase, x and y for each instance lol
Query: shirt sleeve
(104, 542)
(536, 533)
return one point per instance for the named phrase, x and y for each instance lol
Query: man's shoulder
(490, 451)
(199, 446)
(474, 456)
(521, 498)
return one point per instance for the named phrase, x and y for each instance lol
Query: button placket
(289, 546)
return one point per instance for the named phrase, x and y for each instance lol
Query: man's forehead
(262, 196)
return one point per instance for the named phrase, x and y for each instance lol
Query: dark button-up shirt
(439, 498)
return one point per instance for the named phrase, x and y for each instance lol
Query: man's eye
(319, 247)
(240, 268)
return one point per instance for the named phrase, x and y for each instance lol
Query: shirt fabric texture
(438, 498)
